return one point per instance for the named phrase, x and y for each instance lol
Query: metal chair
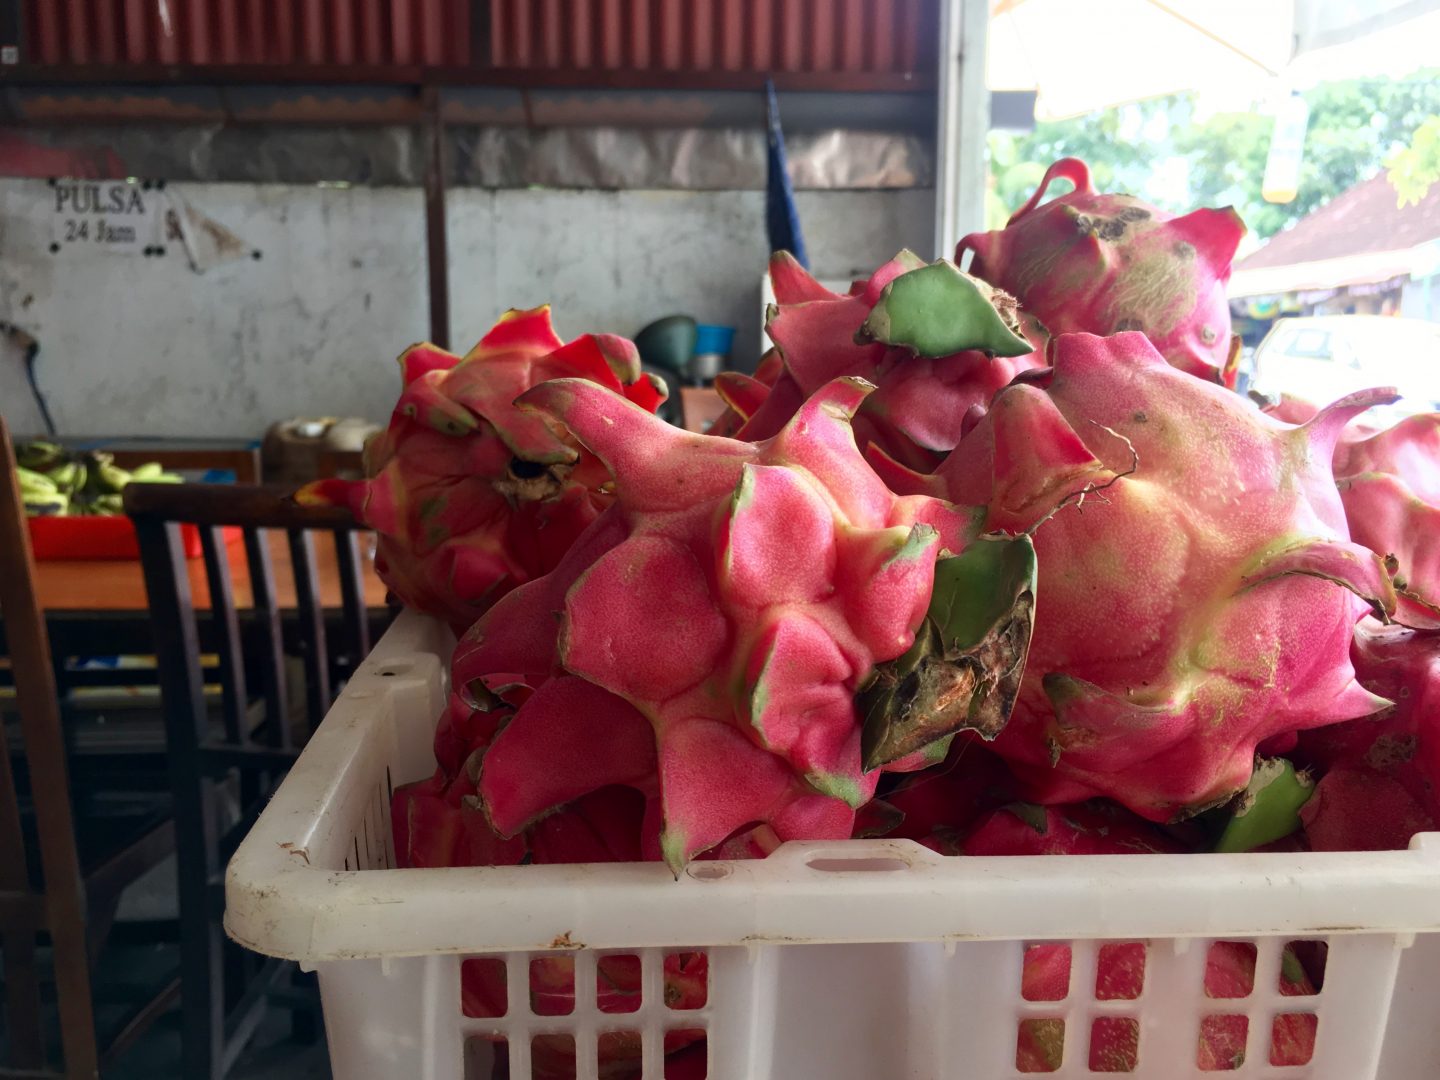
(84, 864)
(241, 756)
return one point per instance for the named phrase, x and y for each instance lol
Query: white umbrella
(1082, 55)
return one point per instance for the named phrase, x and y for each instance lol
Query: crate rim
(278, 904)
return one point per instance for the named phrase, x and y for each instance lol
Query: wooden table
(100, 608)
(701, 406)
(101, 586)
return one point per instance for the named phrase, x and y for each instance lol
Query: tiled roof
(1361, 220)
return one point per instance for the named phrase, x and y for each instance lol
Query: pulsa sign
(121, 216)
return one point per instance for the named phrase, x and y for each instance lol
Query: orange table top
(74, 585)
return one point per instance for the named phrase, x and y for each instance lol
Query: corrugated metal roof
(885, 37)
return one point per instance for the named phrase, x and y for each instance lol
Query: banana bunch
(56, 481)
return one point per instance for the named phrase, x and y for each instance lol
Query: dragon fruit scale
(1102, 264)
(1197, 601)
(468, 495)
(1390, 486)
(706, 639)
(1380, 776)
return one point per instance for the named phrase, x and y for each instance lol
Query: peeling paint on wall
(331, 287)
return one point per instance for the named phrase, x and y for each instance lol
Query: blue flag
(782, 222)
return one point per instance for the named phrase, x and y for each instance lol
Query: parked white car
(1323, 357)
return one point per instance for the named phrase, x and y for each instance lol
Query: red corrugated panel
(609, 47)
(851, 56)
(341, 17)
(198, 14)
(133, 16)
(459, 35)
(782, 36)
(430, 16)
(882, 58)
(580, 35)
(252, 31)
(314, 37)
(106, 20)
(793, 33)
(638, 32)
(760, 35)
(77, 30)
(402, 32)
(551, 29)
(730, 35)
(167, 31)
(372, 32)
(47, 32)
(822, 35)
(226, 32)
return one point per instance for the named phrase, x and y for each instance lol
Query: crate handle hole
(709, 871)
(879, 865)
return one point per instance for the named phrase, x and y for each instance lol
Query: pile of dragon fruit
(992, 559)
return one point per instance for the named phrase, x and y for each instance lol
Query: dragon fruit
(1199, 600)
(1120, 976)
(937, 343)
(1390, 485)
(1381, 775)
(1099, 828)
(684, 979)
(469, 496)
(438, 821)
(938, 806)
(1290, 408)
(1102, 264)
(1230, 975)
(705, 640)
(1089, 828)
(1357, 808)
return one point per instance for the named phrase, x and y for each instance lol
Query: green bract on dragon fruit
(986, 557)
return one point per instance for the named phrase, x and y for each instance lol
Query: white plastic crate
(855, 960)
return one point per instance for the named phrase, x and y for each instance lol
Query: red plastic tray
(55, 538)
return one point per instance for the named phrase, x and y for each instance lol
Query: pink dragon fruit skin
(1091, 828)
(1380, 776)
(1390, 485)
(1200, 603)
(1101, 264)
(1294, 409)
(1409, 450)
(1357, 808)
(1291, 408)
(468, 495)
(940, 805)
(706, 617)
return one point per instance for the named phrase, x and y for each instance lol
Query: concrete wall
(134, 345)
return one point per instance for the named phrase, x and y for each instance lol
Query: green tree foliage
(1415, 167)
(1356, 126)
